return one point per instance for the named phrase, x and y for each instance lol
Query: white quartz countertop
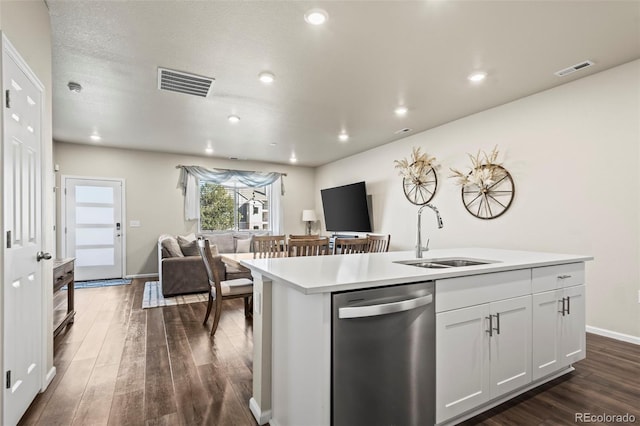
(322, 274)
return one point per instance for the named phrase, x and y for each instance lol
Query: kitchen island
(523, 291)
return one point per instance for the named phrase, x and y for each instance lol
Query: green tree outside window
(216, 208)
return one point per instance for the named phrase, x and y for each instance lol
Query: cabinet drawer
(549, 278)
(454, 293)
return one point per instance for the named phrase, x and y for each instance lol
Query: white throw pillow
(243, 245)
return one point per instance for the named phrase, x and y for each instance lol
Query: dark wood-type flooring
(122, 365)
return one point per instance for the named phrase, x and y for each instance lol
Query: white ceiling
(348, 74)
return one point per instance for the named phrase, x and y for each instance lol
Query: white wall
(573, 152)
(153, 198)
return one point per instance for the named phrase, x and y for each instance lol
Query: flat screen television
(346, 208)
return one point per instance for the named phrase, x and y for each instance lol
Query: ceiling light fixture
(401, 110)
(477, 76)
(266, 77)
(208, 150)
(233, 118)
(293, 159)
(316, 16)
(74, 87)
(343, 137)
(95, 137)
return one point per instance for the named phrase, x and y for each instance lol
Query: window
(233, 207)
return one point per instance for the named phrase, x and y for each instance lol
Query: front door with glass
(93, 227)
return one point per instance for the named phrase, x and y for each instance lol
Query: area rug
(153, 298)
(101, 283)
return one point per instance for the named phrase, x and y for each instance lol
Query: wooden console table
(63, 312)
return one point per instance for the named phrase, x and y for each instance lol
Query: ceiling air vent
(574, 68)
(182, 82)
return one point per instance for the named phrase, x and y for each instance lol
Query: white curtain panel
(276, 219)
(192, 198)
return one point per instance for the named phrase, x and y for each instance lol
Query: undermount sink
(422, 264)
(444, 263)
(461, 262)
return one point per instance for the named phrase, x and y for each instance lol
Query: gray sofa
(180, 268)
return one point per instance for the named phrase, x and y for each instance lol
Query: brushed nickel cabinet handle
(563, 308)
(564, 277)
(490, 330)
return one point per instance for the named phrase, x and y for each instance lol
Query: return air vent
(573, 68)
(182, 82)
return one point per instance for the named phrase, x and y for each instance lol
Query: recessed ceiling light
(293, 158)
(343, 137)
(266, 77)
(316, 16)
(233, 118)
(401, 110)
(208, 150)
(477, 76)
(95, 137)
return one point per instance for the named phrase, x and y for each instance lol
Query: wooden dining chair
(350, 245)
(221, 290)
(304, 237)
(309, 247)
(378, 243)
(269, 246)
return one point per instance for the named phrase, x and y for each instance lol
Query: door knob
(42, 255)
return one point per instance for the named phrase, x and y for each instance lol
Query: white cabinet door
(510, 345)
(558, 329)
(573, 325)
(462, 360)
(547, 308)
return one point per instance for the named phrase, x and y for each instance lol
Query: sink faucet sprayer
(419, 247)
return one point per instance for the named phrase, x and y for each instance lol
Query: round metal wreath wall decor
(419, 178)
(488, 188)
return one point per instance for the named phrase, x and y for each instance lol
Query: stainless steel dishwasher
(383, 356)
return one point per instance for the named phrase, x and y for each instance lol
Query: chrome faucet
(419, 248)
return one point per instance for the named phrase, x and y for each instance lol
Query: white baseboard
(48, 379)
(132, 276)
(262, 417)
(614, 335)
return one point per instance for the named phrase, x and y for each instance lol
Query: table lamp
(309, 216)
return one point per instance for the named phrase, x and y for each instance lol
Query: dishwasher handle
(384, 308)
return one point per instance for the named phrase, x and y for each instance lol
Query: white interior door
(23, 308)
(93, 226)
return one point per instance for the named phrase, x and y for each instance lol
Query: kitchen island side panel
(301, 358)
